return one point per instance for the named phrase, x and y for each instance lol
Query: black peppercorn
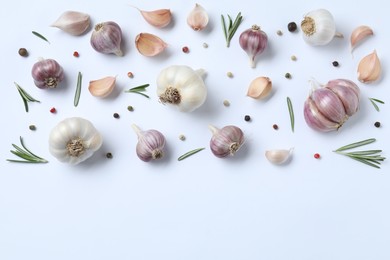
(292, 27)
(377, 124)
(247, 118)
(109, 155)
(32, 127)
(335, 63)
(287, 75)
(116, 115)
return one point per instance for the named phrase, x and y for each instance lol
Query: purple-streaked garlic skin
(253, 41)
(226, 141)
(329, 107)
(47, 74)
(150, 145)
(106, 38)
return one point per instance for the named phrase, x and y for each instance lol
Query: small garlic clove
(260, 88)
(278, 156)
(198, 18)
(72, 22)
(316, 120)
(348, 92)
(329, 104)
(149, 45)
(359, 34)
(369, 68)
(102, 87)
(158, 18)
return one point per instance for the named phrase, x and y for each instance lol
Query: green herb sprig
(374, 101)
(25, 96)
(291, 112)
(188, 154)
(40, 36)
(369, 157)
(25, 154)
(231, 29)
(78, 90)
(139, 90)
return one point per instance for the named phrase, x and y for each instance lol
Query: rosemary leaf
(78, 89)
(224, 26)
(366, 162)
(139, 90)
(25, 96)
(357, 144)
(373, 100)
(377, 100)
(25, 154)
(40, 36)
(291, 112)
(188, 154)
(368, 152)
(232, 27)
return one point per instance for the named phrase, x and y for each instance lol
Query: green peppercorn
(287, 75)
(130, 108)
(32, 127)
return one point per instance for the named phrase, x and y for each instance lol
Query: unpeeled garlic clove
(72, 22)
(369, 68)
(198, 18)
(149, 45)
(157, 18)
(278, 156)
(102, 87)
(260, 88)
(226, 141)
(359, 34)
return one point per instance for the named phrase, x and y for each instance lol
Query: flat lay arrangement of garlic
(326, 108)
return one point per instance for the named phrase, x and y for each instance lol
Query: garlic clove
(369, 68)
(102, 87)
(149, 45)
(198, 18)
(158, 18)
(316, 120)
(260, 88)
(106, 38)
(278, 156)
(359, 34)
(348, 92)
(323, 97)
(72, 22)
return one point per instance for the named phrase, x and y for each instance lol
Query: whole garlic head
(182, 87)
(74, 140)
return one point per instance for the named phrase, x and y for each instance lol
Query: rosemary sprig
(78, 89)
(139, 90)
(232, 27)
(25, 154)
(369, 157)
(291, 112)
(374, 101)
(25, 96)
(40, 36)
(188, 154)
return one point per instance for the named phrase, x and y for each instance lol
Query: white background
(202, 207)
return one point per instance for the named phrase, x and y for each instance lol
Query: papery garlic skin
(102, 87)
(260, 88)
(74, 140)
(328, 107)
(319, 27)
(198, 18)
(106, 38)
(72, 22)
(181, 86)
(150, 144)
(359, 34)
(253, 41)
(47, 74)
(278, 156)
(226, 141)
(158, 18)
(369, 68)
(149, 45)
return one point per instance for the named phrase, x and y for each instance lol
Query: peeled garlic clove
(149, 45)
(102, 87)
(369, 68)
(278, 156)
(106, 38)
(359, 34)
(260, 88)
(158, 18)
(72, 22)
(226, 141)
(198, 18)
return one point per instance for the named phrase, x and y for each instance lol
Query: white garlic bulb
(182, 87)
(74, 140)
(319, 27)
